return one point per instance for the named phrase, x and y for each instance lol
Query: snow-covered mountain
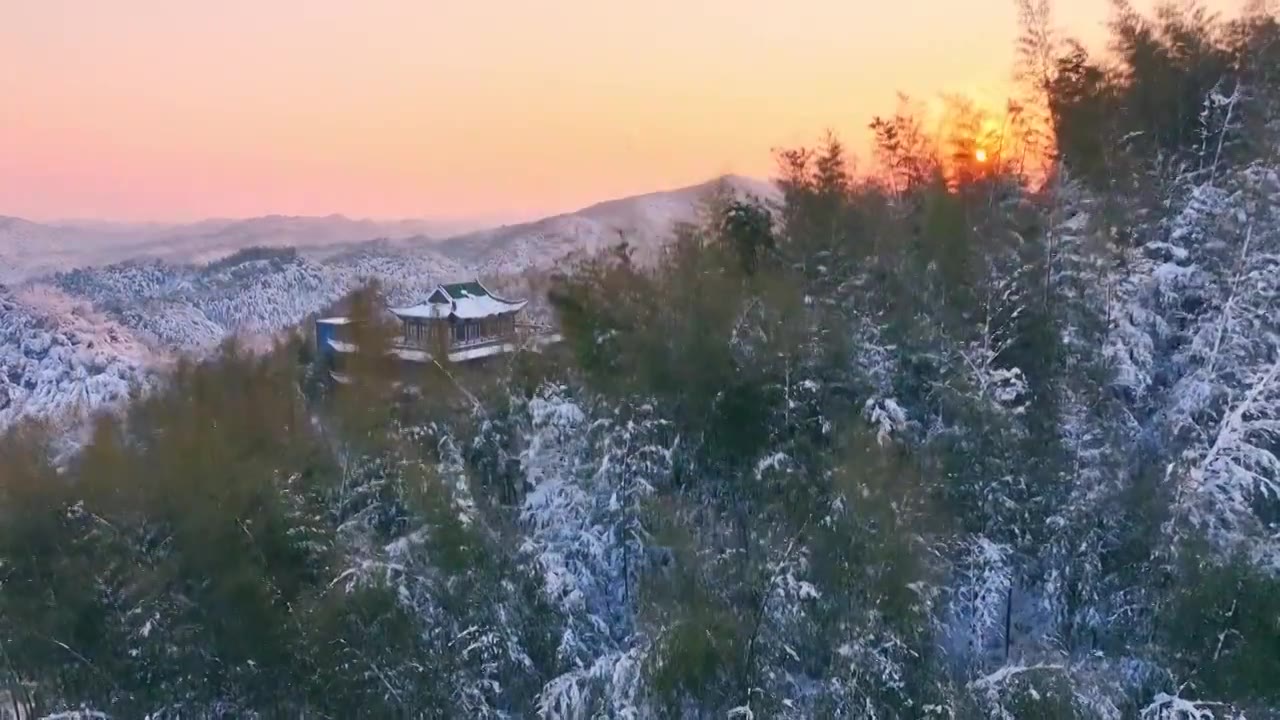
(92, 308)
(643, 221)
(59, 356)
(254, 292)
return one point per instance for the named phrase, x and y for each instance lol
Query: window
(466, 331)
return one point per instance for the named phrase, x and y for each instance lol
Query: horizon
(475, 222)
(159, 112)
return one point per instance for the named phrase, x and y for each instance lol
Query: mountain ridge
(31, 250)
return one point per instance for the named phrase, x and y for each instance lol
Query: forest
(986, 427)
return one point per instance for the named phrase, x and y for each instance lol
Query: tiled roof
(470, 301)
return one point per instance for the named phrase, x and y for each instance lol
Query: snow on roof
(470, 301)
(422, 310)
(334, 321)
(486, 306)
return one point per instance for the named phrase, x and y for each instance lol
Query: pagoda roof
(466, 301)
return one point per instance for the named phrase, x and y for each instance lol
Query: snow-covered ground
(92, 310)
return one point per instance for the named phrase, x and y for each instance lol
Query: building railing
(481, 341)
(523, 334)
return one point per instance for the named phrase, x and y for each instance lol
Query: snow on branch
(1171, 707)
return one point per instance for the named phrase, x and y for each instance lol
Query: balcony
(429, 344)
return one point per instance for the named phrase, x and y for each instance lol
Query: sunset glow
(176, 109)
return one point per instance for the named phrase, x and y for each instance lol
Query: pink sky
(183, 109)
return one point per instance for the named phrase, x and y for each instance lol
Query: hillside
(172, 289)
(59, 357)
(643, 221)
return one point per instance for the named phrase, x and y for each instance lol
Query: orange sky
(182, 109)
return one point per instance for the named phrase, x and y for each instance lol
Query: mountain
(213, 239)
(85, 339)
(256, 291)
(31, 250)
(28, 248)
(643, 221)
(94, 307)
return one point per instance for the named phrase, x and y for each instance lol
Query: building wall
(324, 333)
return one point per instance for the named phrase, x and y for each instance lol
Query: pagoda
(465, 321)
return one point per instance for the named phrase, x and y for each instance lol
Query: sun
(980, 155)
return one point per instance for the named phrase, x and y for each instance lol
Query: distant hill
(31, 250)
(28, 248)
(643, 221)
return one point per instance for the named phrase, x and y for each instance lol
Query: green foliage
(1039, 693)
(186, 556)
(697, 656)
(748, 229)
(1153, 104)
(1222, 629)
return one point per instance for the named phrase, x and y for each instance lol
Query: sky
(171, 110)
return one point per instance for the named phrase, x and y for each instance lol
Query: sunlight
(980, 155)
